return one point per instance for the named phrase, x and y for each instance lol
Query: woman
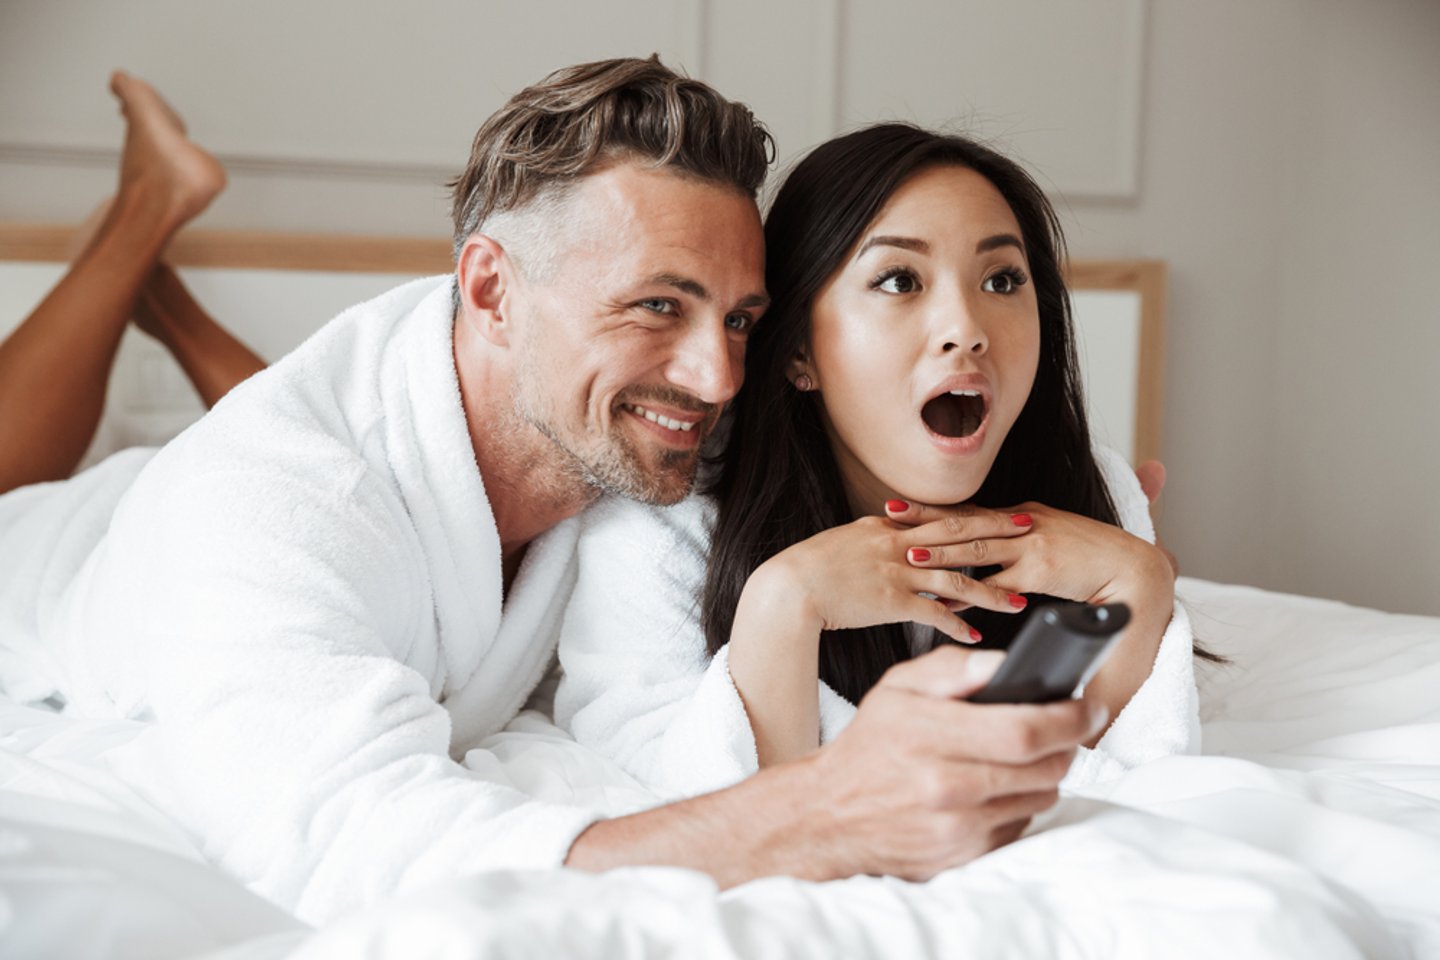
(918, 351)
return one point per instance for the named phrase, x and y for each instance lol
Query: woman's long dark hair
(778, 482)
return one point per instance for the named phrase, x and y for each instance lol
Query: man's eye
(740, 322)
(896, 281)
(659, 305)
(1006, 281)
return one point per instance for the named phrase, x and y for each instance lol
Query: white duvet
(1311, 828)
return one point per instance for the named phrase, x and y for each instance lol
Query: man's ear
(483, 277)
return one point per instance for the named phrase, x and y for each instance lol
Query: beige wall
(1282, 155)
(1356, 432)
(1291, 176)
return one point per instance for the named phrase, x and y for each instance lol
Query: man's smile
(675, 428)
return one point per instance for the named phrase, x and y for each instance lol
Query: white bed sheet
(1311, 827)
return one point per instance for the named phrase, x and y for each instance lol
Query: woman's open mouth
(955, 414)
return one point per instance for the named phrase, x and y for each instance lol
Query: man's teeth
(964, 393)
(665, 422)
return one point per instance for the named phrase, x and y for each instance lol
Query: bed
(1309, 827)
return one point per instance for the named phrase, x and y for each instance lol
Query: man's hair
(582, 118)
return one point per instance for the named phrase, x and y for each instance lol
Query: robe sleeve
(637, 684)
(1163, 716)
(270, 624)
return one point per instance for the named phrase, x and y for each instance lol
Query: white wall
(1282, 155)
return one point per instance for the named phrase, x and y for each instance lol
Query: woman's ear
(800, 373)
(483, 276)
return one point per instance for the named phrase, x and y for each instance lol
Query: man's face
(629, 346)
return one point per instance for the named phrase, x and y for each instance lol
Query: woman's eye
(1007, 281)
(896, 281)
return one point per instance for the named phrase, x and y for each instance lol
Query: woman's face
(924, 344)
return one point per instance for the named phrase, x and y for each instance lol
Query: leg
(54, 368)
(212, 357)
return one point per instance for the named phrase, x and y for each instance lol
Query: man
(351, 570)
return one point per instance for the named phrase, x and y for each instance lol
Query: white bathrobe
(638, 686)
(303, 595)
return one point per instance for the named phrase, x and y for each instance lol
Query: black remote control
(1059, 649)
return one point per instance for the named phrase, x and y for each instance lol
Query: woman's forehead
(948, 200)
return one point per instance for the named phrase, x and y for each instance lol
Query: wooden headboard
(1119, 314)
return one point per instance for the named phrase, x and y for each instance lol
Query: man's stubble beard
(614, 465)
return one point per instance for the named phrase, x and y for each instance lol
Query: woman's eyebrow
(999, 240)
(904, 243)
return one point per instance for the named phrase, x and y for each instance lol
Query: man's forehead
(658, 222)
(651, 194)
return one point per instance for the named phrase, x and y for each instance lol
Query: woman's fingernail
(897, 506)
(974, 635)
(1021, 519)
(1017, 601)
(919, 554)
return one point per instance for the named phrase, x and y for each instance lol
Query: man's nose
(708, 363)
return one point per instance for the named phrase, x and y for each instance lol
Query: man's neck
(529, 487)
(529, 493)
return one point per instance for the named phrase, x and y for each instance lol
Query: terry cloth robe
(302, 596)
(639, 687)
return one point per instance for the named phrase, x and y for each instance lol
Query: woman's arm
(856, 575)
(775, 663)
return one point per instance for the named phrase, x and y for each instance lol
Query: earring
(803, 383)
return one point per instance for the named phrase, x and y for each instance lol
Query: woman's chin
(939, 495)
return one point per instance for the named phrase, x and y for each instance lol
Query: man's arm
(269, 618)
(920, 781)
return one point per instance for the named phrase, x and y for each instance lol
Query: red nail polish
(1021, 519)
(1017, 601)
(974, 634)
(896, 506)
(919, 554)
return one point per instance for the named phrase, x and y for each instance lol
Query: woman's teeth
(664, 421)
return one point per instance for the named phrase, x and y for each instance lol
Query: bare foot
(158, 158)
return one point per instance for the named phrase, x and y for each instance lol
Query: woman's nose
(960, 328)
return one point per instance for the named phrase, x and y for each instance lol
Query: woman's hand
(876, 570)
(855, 575)
(1072, 557)
(1064, 555)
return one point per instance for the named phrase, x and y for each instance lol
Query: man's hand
(920, 781)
